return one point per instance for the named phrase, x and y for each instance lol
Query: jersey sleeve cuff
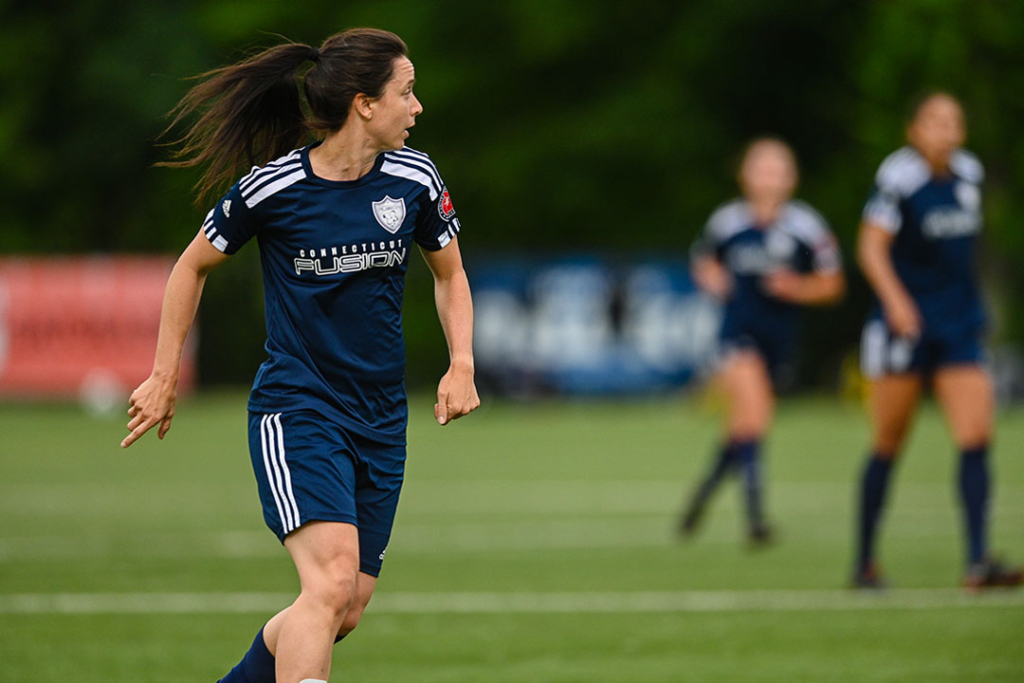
(217, 240)
(884, 218)
(444, 238)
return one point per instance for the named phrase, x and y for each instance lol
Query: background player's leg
(892, 403)
(751, 401)
(721, 465)
(965, 393)
(326, 555)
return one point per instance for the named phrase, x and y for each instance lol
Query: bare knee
(351, 620)
(364, 591)
(889, 441)
(334, 591)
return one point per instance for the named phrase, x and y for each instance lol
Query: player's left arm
(823, 283)
(456, 393)
(817, 288)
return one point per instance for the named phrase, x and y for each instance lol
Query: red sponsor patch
(444, 205)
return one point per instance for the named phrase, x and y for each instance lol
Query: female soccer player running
(766, 255)
(916, 248)
(335, 222)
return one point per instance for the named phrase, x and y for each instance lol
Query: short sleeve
(229, 223)
(705, 246)
(826, 255)
(883, 209)
(812, 230)
(900, 175)
(436, 222)
(725, 222)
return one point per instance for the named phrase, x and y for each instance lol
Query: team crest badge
(445, 206)
(389, 213)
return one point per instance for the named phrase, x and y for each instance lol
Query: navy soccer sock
(974, 491)
(723, 465)
(257, 666)
(748, 457)
(874, 485)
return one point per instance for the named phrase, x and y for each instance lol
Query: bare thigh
(748, 388)
(892, 403)
(966, 396)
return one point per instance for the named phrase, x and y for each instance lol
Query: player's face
(938, 128)
(395, 111)
(768, 173)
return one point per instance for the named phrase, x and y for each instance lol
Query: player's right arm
(152, 403)
(706, 267)
(711, 276)
(874, 255)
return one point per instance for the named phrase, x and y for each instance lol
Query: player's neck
(764, 211)
(344, 155)
(938, 161)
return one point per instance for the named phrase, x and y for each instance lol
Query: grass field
(533, 543)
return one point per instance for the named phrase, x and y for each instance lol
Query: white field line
(519, 603)
(535, 497)
(441, 537)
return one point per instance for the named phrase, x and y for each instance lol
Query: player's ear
(363, 106)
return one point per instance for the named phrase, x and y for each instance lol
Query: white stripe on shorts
(265, 436)
(288, 494)
(872, 349)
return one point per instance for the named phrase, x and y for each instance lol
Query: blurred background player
(765, 254)
(916, 247)
(336, 222)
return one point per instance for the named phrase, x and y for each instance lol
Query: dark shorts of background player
(309, 468)
(777, 352)
(882, 352)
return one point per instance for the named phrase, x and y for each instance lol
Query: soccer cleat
(689, 521)
(992, 574)
(760, 535)
(868, 578)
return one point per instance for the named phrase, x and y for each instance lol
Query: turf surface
(533, 543)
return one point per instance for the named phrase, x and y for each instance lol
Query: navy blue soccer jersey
(799, 240)
(334, 256)
(935, 221)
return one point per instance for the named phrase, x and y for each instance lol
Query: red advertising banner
(82, 327)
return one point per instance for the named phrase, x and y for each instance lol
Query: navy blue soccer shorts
(308, 468)
(776, 352)
(882, 352)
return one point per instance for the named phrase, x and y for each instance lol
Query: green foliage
(559, 125)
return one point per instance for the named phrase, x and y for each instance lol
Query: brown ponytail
(252, 111)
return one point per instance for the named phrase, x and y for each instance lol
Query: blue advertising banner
(590, 326)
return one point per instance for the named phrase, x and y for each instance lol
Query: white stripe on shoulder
(409, 173)
(903, 172)
(420, 159)
(802, 221)
(256, 171)
(728, 219)
(416, 153)
(275, 187)
(419, 166)
(268, 176)
(967, 166)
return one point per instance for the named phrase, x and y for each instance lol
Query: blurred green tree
(559, 125)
